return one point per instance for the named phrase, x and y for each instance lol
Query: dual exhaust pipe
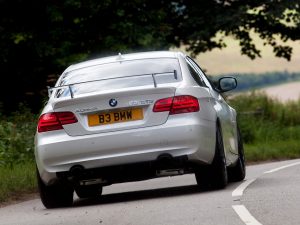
(165, 165)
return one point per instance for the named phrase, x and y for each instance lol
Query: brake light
(163, 105)
(177, 104)
(55, 120)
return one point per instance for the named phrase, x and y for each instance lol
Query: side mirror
(227, 84)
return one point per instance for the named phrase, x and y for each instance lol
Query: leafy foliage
(203, 20)
(38, 39)
(16, 138)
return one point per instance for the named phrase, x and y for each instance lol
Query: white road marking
(240, 189)
(245, 215)
(241, 210)
(282, 167)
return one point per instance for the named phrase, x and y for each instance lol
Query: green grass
(17, 181)
(16, 137)
(269, 151)
(17, 167)
(273, 132)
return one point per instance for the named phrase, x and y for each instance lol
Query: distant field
(284, 92)
(229, 60)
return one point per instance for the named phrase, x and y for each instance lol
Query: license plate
(115, 117)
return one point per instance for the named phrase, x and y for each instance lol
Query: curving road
(269, 195)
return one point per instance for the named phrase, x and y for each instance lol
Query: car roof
(125, 57)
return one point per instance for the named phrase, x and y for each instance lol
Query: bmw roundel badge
(113, 102)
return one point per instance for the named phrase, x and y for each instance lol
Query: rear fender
(206, 101)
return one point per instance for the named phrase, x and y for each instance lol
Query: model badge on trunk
(87, 110)
(142, 102)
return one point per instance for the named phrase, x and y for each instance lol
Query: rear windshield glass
(121, 74)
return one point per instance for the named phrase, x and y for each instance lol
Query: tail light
(55, 120)
(177, 104)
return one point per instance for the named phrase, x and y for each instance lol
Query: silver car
(134, 117)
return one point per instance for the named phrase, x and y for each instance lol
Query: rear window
(120, 74)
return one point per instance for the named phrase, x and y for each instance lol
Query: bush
(17, 137)
(270, 129)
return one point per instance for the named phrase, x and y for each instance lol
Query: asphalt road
(270, 194)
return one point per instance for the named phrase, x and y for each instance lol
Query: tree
(38, 39)
(275, 21)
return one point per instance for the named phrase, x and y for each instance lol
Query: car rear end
(121, 120)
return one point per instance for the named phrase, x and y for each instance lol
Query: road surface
(270, 195)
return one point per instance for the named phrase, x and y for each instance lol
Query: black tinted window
(195, 74)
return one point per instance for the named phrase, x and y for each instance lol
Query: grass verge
(274, 151)
(16, 182)
(270, 129)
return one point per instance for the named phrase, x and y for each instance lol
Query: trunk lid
(117, 110)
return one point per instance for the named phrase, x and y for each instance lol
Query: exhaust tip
(165, 157)
(76, 170)
(164, 161)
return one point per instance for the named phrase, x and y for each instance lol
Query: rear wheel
(54, 196)
(238, 172)
(203, 178)
(214, 176)
(90, 191)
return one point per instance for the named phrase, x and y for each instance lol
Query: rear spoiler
(69, 86)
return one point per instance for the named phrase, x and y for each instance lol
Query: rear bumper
(56, 151)
(165, 165)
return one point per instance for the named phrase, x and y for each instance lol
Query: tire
(55, 196)
(202, 175)
(238, 172)
(91, 191)
(214, 176)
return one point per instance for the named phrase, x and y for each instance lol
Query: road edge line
(282, 167)
(240, 189)
(245, 215)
